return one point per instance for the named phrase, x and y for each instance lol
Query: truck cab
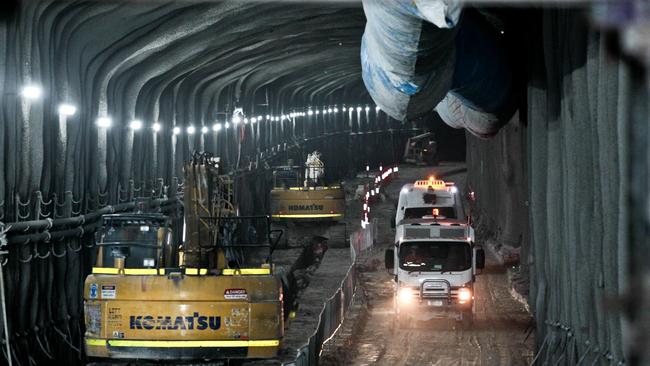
(417, 201)
(435, 263)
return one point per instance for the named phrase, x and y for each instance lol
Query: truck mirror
(480, 258)
(389, 259)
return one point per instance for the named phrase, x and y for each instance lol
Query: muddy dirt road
(496, 338)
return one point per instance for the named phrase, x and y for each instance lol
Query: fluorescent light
(377, 109)
(156, 127)
(329, 110)
(236, 119)
(31, 92)
(268, 117)
(253, 120)
(104, 122)
(344, 109)
(336, 110)
(204, 129)
(317, 111)
(67, 109)
(367, 108)
(216, 127)
(176, 130)
(135, 125)
(227, 125)
(191, 129)
(358, 109)
(259, 118)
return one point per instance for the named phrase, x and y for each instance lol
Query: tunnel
(541, 106)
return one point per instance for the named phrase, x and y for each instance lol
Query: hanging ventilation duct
(419, 55)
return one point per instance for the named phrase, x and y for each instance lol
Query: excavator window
(136, 239)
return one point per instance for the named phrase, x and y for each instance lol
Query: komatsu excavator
(214, 298)
(300, 199)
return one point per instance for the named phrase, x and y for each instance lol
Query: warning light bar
(433, 183)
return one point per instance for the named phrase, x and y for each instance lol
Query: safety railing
(336, 307)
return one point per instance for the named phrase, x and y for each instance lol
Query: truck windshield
(435, 256)
(420, 212)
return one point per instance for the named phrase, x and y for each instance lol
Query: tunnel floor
(498, 336)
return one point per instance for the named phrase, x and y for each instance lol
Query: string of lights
(34, 92)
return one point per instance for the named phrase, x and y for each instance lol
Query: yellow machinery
(305, 197)
(216, 298)
(421, 150)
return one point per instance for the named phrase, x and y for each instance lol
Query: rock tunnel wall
(555, 182)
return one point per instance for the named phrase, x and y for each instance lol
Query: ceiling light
(176, 130)
(344, 109)
(268, 117)
(367, 108)
(216, 127)
(336, 110)
(191, 129)
(135, 125)
(67, 109)
(377, 109)
(204, 129)
(358, 109)
(31, 91)
(236, 119)
(156, 127)
(259, 118)
(329, 110)
(104, 122)
(227, 125)
(253, 120)
(317, 111)
(310, 112)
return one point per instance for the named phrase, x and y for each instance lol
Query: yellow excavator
(214, 298)
(301, 199)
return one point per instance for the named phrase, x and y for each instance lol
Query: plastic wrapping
(414, 53)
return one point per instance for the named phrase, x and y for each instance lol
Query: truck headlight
(464, 295)
(406, 295)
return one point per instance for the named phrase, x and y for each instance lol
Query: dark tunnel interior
(543, 105)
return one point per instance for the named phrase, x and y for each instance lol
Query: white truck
(418, 200)
(435, 262)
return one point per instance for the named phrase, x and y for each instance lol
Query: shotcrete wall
(497, 174)
(556, 185)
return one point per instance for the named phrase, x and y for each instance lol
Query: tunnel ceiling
(190, 61)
